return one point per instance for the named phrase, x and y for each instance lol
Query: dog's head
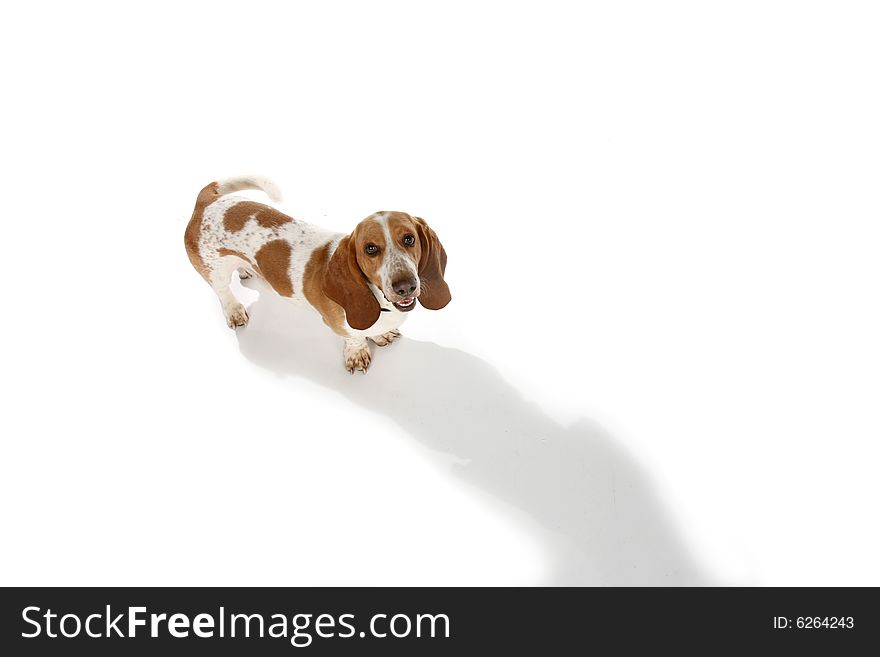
(397, 253)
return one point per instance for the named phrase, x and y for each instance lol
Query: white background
(660, 364)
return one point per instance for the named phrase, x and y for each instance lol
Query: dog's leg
(357, 355)
(385, 338)
(221, 274)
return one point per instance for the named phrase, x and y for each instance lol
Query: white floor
(660, 365)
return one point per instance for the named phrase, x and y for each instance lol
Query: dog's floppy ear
(432, 265)
(345, 283)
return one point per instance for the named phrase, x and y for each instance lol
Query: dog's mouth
(405, 305)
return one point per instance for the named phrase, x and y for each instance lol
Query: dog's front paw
(385, 338)
(236, 316)
(357, 357)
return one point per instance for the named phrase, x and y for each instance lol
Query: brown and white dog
(362, 284)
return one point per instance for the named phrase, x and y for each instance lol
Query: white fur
(238, 183)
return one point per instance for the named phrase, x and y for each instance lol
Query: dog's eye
(409, 240)
(371, 249)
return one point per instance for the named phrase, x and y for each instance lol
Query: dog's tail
(229, 185)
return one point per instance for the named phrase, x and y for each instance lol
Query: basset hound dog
(362, 284)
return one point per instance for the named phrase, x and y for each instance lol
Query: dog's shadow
(575, 482)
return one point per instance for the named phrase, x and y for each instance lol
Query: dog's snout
(405, 286)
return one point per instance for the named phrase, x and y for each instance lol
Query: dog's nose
(405, 286)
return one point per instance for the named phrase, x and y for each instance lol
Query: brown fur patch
(208, 195)
(273, 260)
(237, 216)
(432, 267)
(345, 283)
(366, 232)
(313, 284)
(237, 254)
(400, 225)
